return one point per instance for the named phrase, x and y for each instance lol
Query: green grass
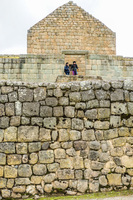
(89, 196)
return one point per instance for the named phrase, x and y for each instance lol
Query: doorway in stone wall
(79, 57)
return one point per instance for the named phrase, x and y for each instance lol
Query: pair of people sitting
(74, 68)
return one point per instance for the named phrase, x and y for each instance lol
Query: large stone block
(7, 147)
(6, 89)
(63, 135)
(2, 110)
(119, 108)
(33, 158)
(65, 174)
(91, 114)
(10, 134)
(21, 148)
(25, 94)
(39, 94)
(117, 95)
(69, 111)
(36, 180)
(39, 169)
(53, 167)
(60, 185)
(114, 179)
(82, 186)
(130, 107)
(3, 182)
(2, 159)
(95, 145)
(75, 135)
(127, 161)
(35, 146)
(94, 186)
(28, 133)
(118, 142)
(13, 96)
(77, 124)
(60, 153)
(46, 156)
(45, 111)
(24, 170)
(80, 145)
(110, 134)
(31, 109)
(1, 135)
(1, 171)
(101, 125)
(10, 172)
(101, 94)
(49, 178)
(63, 101)
(58, 111)
(44, 135)
(78, 162)
(14, 159)
(4, 122)
(22, 181)
(51, 101)
(115, 121)
(92, 104)
(64, 123)
(103, 113)
(15, 121)
(75, 96)
(19, 189)
(50, 122)
(88, 135)
(66, 163)
(87, 95)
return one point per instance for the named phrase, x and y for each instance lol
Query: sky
(17, 16)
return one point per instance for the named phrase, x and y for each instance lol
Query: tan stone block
(10, 183)
(114, 179)
(21, 148)
(45, 134)
(19, 189)
(36, 180)
(118, 142)
(10, 172)
(1, 171)
(60, 153)
(33, 158)
(14, 159)
(78, 162)
(127, 161)
(66, 163)
(10, 134)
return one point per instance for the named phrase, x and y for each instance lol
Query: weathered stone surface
(33, 147)
(115, 121)
(51, 101)
(91, 114)
(117, 95)
(103, 181)
(104, 157)
(127, 161)
(6, 89)
(10, 183)
(31, 189)
(75, 96)
(10, 134)
(105, 103)
(69, 111)
(64, 123)
(10, 172)
(60, 185)
(78, 162)
(1, 135)
(48, 188)
(94, 186)
(87, 95)
(130, 107)
(39, 94)
(19, 189)
(118, 142)
(25, 94)
(103, 113)
(2, 110)
(14, 159)
(36, 121)
(78, 174)
(1, 171)
(80, 145)
(28, 133)
(88, 124)
(96, 165)
(66, 163)
(54, 135)
(119, 108)
(92, 104)
(110, 134)
(3, 182)
(65, 174)
(101, 94)
(31, 109)
(114, 179)
(101, 125)
(49, 178)
(24, 170)
(63, 135)
(15, 121)
(63, 101)
(95, 145)
(50, 122)
(25, 121)
(53, 167)
(77, 124)
(60, 153)
(13, 96)
(99, 135)
(58, 111)
(82, 185)
(7, 147)
(46, 156)
(124, 132)
(80, 106)
(118, 151)
(75, 135)
(45, 145)
(55, 145)
(21, 148)
(33, 158)
(5, 193)
(4, 122)
(2, 159)
(44, 134)
(18, 108)
(22, 181)
(88, 135)
(93, 155)
(39, 169)
(25, 159)
(126, 179)
(67, 145)
(71, 151)
(45, 111)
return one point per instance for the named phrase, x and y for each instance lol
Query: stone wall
(42, 68)
(70, 27)
(71, 138)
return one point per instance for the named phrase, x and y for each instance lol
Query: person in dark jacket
(74, 68)
(66, 69)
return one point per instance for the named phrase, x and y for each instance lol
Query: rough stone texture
(83, 146)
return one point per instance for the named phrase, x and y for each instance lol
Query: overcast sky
(17, 16)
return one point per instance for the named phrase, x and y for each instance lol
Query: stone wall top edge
(66, 85)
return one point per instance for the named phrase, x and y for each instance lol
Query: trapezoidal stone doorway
(80, 57)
